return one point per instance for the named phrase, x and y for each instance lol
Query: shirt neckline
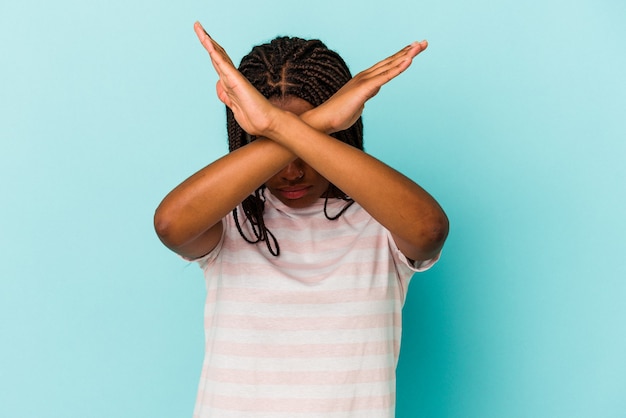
(317, 207)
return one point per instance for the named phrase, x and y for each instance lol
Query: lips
(295, 192)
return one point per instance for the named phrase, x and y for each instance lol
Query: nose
(293, 171)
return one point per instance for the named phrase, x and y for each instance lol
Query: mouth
(295, 192)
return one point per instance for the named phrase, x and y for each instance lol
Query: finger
(385, 62)
(204, 37)
(416, 47)
(409, 51)
(393, 66)
(208, 44)
(219, 58)
(213, 48)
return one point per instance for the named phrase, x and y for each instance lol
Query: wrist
(288, 127)
(315, 119)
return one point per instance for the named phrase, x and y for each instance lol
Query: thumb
(221, 93)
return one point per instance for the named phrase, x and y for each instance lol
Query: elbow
(438, 232)
(165, 227)
(425, 240)
(434, 233)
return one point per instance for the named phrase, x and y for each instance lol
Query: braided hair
(290, 66)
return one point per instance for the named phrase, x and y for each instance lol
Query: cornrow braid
(290, 66)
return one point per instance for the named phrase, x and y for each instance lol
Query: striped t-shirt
(314, 332)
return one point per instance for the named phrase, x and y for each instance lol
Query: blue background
(513, 119)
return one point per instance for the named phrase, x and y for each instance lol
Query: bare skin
(293, 140)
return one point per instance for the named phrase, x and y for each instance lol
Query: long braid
(301, 68)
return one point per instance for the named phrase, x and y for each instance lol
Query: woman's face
(297, 185)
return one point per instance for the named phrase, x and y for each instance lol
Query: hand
(344, 108)
(254, 113)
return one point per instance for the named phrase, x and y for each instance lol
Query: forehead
(291, 104)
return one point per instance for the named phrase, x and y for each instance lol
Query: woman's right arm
(188, 220)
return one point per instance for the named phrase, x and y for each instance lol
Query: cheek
(270, 181)
(322, 183)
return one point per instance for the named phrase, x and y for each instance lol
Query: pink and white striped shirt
(314, 332)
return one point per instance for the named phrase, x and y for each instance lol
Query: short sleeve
(210, 257)
(405, 267)
(414, 266)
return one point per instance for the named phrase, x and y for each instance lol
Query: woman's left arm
(414, 218)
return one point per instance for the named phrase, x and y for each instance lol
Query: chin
(298, 203)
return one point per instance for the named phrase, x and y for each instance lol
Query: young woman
(307, 243)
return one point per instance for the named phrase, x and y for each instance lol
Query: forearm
(206, 197)
(398, 203)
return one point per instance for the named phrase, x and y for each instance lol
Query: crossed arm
(189, 219)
